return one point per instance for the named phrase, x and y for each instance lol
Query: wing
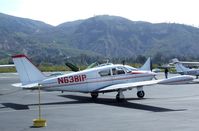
(185, 79)
(12, 65)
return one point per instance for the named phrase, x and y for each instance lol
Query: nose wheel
(120, 96)
(140, 94)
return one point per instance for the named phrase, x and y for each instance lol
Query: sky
(55, 12)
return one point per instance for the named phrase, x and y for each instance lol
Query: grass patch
(7, 69)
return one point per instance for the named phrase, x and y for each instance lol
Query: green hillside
(95, 38)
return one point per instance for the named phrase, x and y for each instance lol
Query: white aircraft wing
(191, 64)
(185, 79)
(186, 63)
(12, 65)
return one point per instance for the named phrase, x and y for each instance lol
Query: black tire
(94, 95)
(140, 94)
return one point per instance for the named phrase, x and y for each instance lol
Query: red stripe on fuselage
(97, 81)
(137, 72)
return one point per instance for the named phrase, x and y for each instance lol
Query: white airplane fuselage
(106, 78)
(94, 79)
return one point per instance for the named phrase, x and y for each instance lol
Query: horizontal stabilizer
(31, 86)
(5, 66)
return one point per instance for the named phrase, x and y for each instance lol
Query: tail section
(175, 60)
(179, 67)
(28, 73)
(147, 65)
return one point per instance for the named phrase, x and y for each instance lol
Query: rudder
(147, 65)
(180, 68)
(28, 73)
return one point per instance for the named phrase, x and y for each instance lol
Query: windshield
(129, 68)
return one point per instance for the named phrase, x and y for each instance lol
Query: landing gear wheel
(140, 94)
(94, 95)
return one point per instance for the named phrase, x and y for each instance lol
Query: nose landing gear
(94, 95)
(140, 92)
(120, 96)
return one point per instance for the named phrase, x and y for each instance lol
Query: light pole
(39, 122)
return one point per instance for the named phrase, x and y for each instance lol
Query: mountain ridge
(101, 36)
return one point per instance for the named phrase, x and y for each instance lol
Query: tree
(140, 59)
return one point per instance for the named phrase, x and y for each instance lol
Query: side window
(118, 71)
(105, 73)
(114, 71)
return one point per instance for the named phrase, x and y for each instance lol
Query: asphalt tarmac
(164, 108)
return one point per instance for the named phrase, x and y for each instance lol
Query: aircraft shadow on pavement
(15, 106)
(104, 101)
(124, 104)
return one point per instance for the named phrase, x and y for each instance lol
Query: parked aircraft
(184, 70)
(186, 63)
(72, 67)
(108, 78)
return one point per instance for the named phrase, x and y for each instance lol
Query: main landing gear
(120, 96)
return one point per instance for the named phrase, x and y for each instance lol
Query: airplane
(72, 67)
(184, 70)
(103, 79)
(186, 63)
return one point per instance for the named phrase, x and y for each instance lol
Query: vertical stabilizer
(180, 68)
(28, 73)
(147, 65)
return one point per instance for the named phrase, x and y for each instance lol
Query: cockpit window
(105, 73)
(129, 68)
(118, 71)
